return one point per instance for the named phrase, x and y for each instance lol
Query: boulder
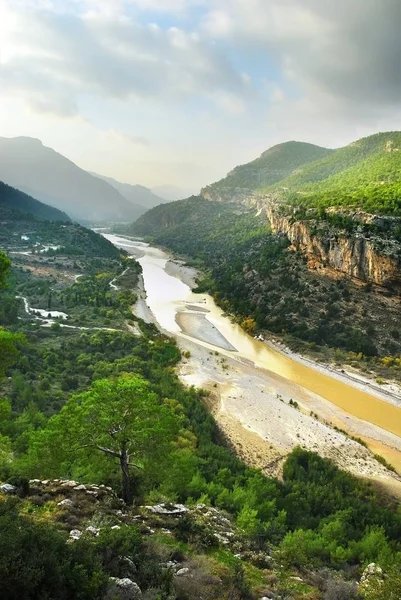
(183, 571)
(70, 484)
(75, 534)
(92, 530)
(65, 502)
(168, 509)
(7, 488)
(80, 488)
(122, 589)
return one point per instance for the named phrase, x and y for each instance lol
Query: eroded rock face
(376, 260)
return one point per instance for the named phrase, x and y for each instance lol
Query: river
(182, 313)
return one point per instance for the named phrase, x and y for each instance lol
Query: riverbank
(263, 399)
(252, 408)
(388, 392)
(328, 414)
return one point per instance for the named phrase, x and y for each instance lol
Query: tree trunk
(124, 463)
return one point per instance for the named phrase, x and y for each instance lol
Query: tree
(118, 418)
(5, 265)
(8, 350)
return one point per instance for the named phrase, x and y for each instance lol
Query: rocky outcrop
(372, 259)
(239, 195)
(123, 589)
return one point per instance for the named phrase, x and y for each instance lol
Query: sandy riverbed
(252, 407)
(390, 392)
(248, 400)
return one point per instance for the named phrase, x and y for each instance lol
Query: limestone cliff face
(375, 260)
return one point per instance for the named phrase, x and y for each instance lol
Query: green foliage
(5, 265)
(16, 204)
(37, 564)
(275, 164)
(364, 174)
(8, 349)
(121, 419)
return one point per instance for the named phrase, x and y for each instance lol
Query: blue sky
(180, 91)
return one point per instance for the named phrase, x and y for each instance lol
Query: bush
(37, 563)
(337, 589)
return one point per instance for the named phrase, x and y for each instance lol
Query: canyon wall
(370, 259)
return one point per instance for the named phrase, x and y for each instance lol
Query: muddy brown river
(168, 296)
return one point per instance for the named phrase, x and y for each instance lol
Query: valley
(253, 384)
(209, 411)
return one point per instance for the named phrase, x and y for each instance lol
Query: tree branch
(108, 451)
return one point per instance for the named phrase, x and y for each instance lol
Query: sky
(180, 91)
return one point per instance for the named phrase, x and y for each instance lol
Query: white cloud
(216, 80)
(54, 58)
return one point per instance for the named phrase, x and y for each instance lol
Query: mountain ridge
(32, 167)
(273, 165)
(138, 195)
(15, 203)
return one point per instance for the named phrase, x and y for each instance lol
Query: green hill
(188, 213)
(272, 166)
(15, 204)
(365, 174)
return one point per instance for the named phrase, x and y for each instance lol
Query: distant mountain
(16, 204)
(28, 165)
(169, 193)
(272, 166)
(138, 195)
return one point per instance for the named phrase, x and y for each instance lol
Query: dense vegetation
(364, 174)
(275, 164)
(16, 203)
(74, 403)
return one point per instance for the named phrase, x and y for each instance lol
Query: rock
(115, 527)
(70, 484)
(92, 530)
(183, 571)
(80, 488)
(65, 502)
(7, 488)
(168, 509)
(371, 571)
(35, 481)
(75, 534)
(122, 589)
(368, 259)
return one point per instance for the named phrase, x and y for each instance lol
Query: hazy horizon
(178, 92)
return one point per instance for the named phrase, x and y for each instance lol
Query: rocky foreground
(193, 544)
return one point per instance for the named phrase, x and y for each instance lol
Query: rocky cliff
(369, 258)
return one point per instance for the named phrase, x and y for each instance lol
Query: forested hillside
(365, 174)
(17, 205)
(275, 164)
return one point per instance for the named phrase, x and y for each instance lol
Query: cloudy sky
(180, 91)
